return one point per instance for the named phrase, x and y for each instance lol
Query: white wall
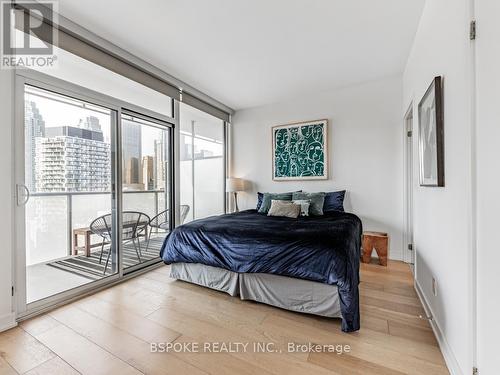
(442, 217)
(365, 151)
(6, 198)
(488, 182)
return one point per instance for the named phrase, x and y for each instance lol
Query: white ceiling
(246, 53)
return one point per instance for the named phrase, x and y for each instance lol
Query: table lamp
(234, 185)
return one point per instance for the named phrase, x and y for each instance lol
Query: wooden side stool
(378, 241)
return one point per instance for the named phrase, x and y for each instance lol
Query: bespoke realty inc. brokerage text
(246, 347)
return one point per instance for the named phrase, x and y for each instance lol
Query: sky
(61, 114)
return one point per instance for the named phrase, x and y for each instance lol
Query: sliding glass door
(93, 193)
(146, 170)
(65, 191)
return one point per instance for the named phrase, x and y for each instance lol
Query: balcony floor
(45, 279)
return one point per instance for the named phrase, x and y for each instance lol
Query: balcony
(54, 221)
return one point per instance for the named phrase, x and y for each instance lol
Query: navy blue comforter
(325, 249)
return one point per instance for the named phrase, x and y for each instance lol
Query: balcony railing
(51, 217)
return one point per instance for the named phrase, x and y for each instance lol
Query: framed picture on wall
(431, 135)
(300, 151)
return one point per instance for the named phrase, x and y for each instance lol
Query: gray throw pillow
(317, 200)
(268, 197)
(284, 209)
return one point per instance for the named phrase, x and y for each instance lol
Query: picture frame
(300, 151)
(431, 135)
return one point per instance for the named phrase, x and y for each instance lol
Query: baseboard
(449, 357)
(7, 321)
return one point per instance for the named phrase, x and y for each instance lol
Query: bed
(309, 264)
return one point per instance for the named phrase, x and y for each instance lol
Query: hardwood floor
(111, 331)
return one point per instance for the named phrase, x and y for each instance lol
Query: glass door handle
(23, 194)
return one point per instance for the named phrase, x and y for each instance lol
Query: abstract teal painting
(300, 151)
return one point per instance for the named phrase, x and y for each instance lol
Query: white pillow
(304, 206)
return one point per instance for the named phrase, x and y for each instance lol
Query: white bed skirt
(285, 292)
(211, 277)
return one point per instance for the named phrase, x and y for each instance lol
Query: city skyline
(75, 153)
(77, 157)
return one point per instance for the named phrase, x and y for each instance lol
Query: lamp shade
(235, 184)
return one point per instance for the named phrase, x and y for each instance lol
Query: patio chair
(161, 221)
(133, 225)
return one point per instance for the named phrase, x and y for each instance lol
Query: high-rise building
(160, 164)
(90, 123)
(132, 178)
(71, 158)
(148, 178)
(131, 153)
(34, 127)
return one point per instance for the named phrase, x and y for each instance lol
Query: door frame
(43, 81)
(409, 255)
